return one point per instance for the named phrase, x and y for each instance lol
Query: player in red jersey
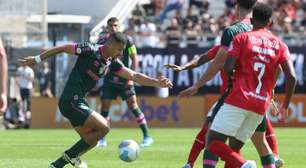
(255, 56)
(199, 142)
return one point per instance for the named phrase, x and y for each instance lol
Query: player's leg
(108, 94)
(129, 95)
(262, 147)
(233, 122)
(197, 147)
(210, 160)
(271, 139)
(90, 125)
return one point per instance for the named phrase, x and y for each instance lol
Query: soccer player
(199, 143)
(244, 11)
(3, 79)
(253, 61)
(115, 85)
(94, 61)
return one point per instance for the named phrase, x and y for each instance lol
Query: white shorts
(236, 122)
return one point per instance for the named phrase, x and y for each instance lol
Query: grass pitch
(37, 148)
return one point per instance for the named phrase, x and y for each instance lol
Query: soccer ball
(128, 150)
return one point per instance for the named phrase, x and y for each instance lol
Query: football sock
(228, 165)
(226, 153)
(141, 120)
(271, 138)
(198, 145)
(209, 160)
(268, 161)
(77, 148)
(60, 162)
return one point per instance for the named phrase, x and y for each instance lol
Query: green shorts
(76, 111)
(262, 126)
(112, 92)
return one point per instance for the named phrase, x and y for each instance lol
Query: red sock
(226, 153)
(198, 145)
(270, 137)
(227, 164)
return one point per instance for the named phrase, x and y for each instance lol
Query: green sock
(210, 160)
(60, 162)
(104, 114)
(77, 148)
(141, 120)
(267, 160)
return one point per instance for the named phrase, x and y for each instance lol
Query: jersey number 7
(259, 67)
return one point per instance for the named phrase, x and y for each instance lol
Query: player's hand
(189, 91)
(3, 103)
(27, 61)
(274, 108)
(164, 82)
(174, 67)
(282, 114)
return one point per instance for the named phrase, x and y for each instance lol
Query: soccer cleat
(279, 162)
(147, 141)
(187, 166)
(52, 166)
(249, 164)
(76, 162)
(101, 143)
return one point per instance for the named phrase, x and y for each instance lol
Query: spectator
(25, 82)
(171, 5)
(191, 16)
(173, 33)
(148, 30)
(12, 115)
(45, 83)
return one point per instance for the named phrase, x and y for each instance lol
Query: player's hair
(246, 4)
(262, 12)
(112, 20)
(118, 37)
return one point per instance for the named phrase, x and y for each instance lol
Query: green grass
(37, 148)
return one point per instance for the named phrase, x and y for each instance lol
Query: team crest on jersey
(78, 50)
(75, 97)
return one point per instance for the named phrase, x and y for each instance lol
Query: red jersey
(211, 54)
(258, 54)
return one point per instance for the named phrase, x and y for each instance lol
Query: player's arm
(218, 62)
(33, 60)
(198, 61)
(3, 79)
(290, 82)
(144, 79)
(195, 62)
(132, 51)
(214, 67)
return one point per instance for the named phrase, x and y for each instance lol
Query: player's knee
(106, 105)
(132, 104)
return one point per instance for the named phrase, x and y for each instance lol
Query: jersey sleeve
(84, 49)
(235, 47)
(131, 48)
(285, 54)
(227, 38)
(211, 53)
(116, 66)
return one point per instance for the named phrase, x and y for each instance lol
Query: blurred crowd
(194, 23)
(22, 85)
